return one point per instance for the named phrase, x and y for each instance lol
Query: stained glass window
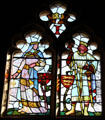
(30, 78)
(79, 79)
(69, 76)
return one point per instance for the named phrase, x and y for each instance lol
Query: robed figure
(83, 66)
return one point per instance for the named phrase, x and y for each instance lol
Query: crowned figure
(28, 74)
(83, 66)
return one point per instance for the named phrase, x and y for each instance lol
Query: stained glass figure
(80, 88)
(57, 18)
(30, 79)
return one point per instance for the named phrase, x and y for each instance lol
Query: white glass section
(14, 69)
(17, 54)
(41, 49)
(53, 29)
(17, 62)
(75, 46)
(44, 18)
(85, 39)
(97, 107)
(97, 57)
(46, 68)
(98, 75)
(78, 37)
(63, 27)
(43, 45)
(89, 48)
(28, 39)
(81, 37)
(58, 8)
(64, 56)
(64, 70)
(57, 36)
(98, 90)
(60, 31)
(54, 9)
(20, 45)
(46, 46)
(98, 98)
(61, 10)
(48, 93)
(46, 55)
(90, 51)
(71, 18)
(64, 63)
(33, 37)
(48, 61)
(57, 20)
(91, 109)
(98, 84)
(74, 49)
(93, 47)
(39, 38)
(77, 42)
(14, 83)
(51, 26)
(25, 47)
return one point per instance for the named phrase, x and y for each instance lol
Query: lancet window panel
(79, 80)
(30, 78)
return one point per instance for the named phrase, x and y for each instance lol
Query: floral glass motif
(57, 18)
(79, 92)
(30, 81)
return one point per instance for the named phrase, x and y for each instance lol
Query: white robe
(79, 61)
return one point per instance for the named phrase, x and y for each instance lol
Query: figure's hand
(42, 64)
(37, 64)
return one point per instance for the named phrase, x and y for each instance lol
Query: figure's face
(35, 46)
(82, 49)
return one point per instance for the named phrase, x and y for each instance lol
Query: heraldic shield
(67, 81)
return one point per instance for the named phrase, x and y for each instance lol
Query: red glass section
(44, 78)
(57, 30)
